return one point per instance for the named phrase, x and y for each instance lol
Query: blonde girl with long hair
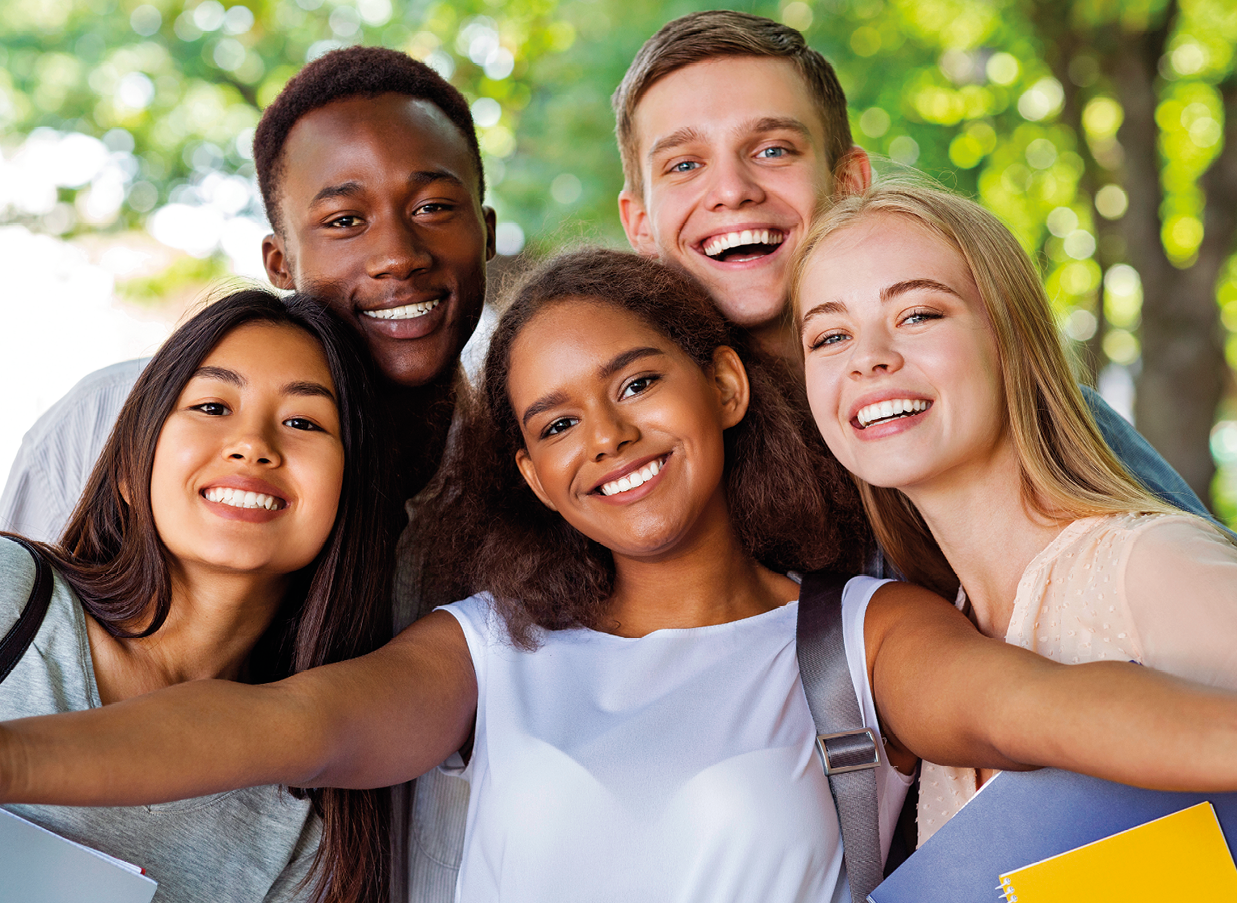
(937, 376)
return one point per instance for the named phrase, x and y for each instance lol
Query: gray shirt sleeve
(59, 452)
(245, 845)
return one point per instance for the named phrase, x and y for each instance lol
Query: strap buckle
(848, 750)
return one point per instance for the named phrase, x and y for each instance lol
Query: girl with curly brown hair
(625, 697)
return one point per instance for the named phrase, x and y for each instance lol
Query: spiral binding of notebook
(1178, 857)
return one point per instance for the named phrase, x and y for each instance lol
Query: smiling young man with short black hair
(372, 180)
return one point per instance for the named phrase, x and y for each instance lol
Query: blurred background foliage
(1103, 131)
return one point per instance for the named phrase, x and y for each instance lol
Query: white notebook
(40, 866)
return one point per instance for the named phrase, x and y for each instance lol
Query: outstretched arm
(956, 697)
(377, 720)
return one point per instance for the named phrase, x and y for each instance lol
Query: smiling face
(902, 368)
(733, 156)
(249, 464)
(622, 430)
(379, 200)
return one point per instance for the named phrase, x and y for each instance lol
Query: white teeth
(407, 312)
(719, 243)
(884, 410)
(239, 498)
(633, 479)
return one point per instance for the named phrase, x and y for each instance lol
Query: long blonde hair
(1067, 471)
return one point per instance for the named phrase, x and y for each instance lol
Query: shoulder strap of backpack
(847, 748)
(15, 643)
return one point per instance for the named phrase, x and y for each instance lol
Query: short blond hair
(1067, 469)
(717, 33)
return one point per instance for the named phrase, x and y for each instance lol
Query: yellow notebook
(1181, 856)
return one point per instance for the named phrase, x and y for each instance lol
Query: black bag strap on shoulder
(15, 643)
(847, 748)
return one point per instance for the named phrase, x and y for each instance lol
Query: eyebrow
(687, 134)
(605, 371)
(353, 188)
(301, 388)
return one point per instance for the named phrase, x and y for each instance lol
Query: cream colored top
(1160, 589)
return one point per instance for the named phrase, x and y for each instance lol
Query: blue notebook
(1023, 817)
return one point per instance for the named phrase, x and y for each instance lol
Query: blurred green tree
(1103, 131)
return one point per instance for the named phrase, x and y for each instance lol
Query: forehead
(369, 138)
(879, 250)
(716, 96)
(278, 350)
(575, 335)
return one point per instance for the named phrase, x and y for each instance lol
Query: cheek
(823, 385)
(326, 484)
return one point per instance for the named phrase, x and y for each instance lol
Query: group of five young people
(634, 504)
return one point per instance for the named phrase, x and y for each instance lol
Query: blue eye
(829, 338)
(685, 166)
(773, 152)
(920, 316)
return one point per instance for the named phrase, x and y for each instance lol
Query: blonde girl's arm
(955, 697)
(377, 720)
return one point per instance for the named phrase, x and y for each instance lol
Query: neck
(706, 579)
(420, 418)
(778, 340)
(987, 532)
(212, 626)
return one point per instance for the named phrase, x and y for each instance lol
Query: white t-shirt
(675, 767)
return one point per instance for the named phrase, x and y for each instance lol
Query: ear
(278, 265)
(854, 175)
(636, 223)
(490, 218)
(529, 472)
(730, 380)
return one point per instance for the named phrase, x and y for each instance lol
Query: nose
(395, 249)
(733, 184)
(874, 352)
(611, 432)
(253, 442)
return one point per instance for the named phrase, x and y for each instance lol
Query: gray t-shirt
(247, 845)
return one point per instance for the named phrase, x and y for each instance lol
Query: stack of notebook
(1040, 836)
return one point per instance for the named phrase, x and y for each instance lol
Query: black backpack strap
(847, 748)
(21, 634)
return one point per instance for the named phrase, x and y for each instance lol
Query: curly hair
(792, 505)
(339, 75)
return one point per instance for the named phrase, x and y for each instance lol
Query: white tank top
(673, 768)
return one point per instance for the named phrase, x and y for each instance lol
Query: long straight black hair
(335, 608)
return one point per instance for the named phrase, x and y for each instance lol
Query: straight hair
(337, 607)
(1067, 471)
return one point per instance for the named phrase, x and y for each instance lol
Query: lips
(239, 498)
(890, 409)
(744, 243)
(403, 312)
(631, 477)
